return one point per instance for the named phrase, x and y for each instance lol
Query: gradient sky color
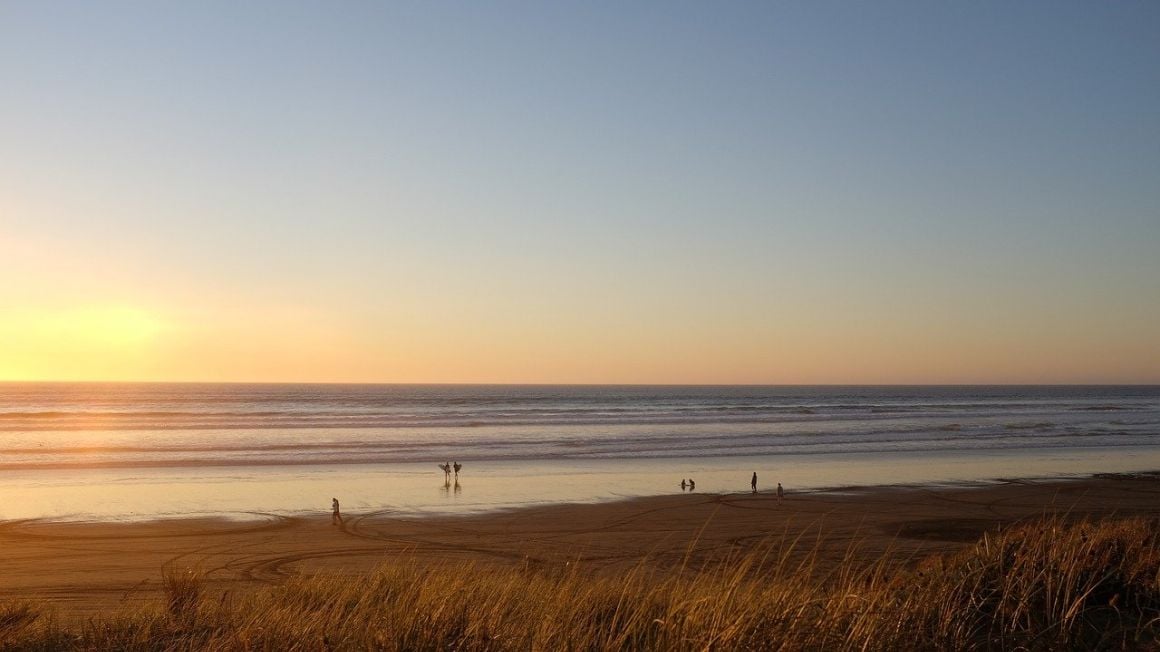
(596, 192)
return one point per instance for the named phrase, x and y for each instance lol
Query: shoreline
(240, 516)
(86, 567)
(419, 490)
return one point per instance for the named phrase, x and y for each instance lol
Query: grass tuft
(182, 593)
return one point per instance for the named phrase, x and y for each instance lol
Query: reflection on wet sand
(405, 489)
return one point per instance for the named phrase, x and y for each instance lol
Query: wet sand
(84, 568)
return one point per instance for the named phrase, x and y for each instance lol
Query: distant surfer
(753, 482)
(780, 493)
(336, 515)
(692, 485)
(457, 467)
(682, 484)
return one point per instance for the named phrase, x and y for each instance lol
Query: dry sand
(83, 568)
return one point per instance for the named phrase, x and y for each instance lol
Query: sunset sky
(580, 192)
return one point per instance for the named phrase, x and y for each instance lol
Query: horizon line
(565, 384)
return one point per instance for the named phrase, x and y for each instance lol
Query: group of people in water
(448, 468)
(691, 484)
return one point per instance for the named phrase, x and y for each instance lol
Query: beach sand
(84, 568)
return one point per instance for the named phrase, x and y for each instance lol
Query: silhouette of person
(457, 467)
(780, 492)
(753, 482)
(692, 485)
(682, 484)
(336, 516)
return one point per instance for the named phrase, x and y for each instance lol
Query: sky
(580, 192)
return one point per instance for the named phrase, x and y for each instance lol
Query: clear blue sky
(581, 192)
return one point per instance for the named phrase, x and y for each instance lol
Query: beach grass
(1050, 584)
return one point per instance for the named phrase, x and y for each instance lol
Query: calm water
(141, 450)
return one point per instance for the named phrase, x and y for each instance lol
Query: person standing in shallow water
(753, 482)
(335, 516)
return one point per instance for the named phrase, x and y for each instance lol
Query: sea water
(128, 450)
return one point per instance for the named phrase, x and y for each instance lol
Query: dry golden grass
(1049, 585)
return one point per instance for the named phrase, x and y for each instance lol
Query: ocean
(143, 450)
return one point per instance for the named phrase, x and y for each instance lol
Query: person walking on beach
(457, 467)
(692, 485)
(335, 516)
(753, 482)
(780, 493)
(682, 484)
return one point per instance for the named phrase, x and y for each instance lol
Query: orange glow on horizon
(120, 343)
